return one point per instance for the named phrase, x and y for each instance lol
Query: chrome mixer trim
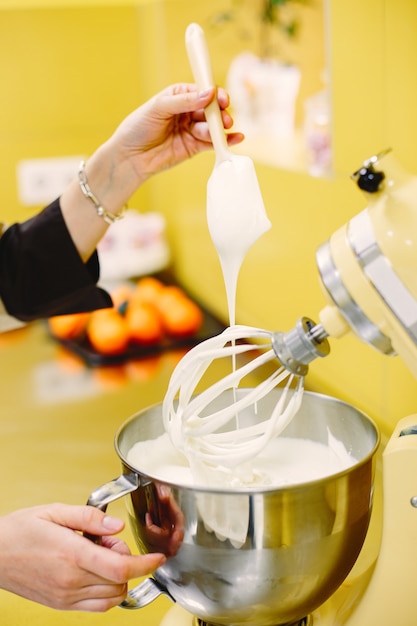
(350, 310)
(381, 274)
(301, 345)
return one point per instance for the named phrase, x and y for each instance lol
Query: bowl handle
(109, 492)
(144, 593)
(149, 589)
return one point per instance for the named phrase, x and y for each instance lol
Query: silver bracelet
(108, 217)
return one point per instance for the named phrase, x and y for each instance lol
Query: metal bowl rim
(255, 490)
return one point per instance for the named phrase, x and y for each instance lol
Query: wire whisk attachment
(209, 426)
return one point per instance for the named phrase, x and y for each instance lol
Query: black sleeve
(41, 272)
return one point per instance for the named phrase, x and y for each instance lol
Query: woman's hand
(44, 559)
(170, 128)
(166, 130)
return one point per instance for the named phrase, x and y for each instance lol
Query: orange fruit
(107, 332)
(181, 316)
(120, 295)
(168, 298)
(144, 323)
(68, 327)
(147, 289)
(169, 295)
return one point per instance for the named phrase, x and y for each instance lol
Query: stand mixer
(368, 275)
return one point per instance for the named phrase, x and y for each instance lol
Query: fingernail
(203, 94)
(112, 523)
(163, 491)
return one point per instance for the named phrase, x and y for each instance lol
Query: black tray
(211, 326)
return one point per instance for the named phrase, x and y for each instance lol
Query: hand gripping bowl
(300, 541)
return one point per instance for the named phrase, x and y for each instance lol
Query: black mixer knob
(369, 179)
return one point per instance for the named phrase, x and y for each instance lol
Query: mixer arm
(301, 345)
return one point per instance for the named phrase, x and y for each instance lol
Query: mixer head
(368, 274)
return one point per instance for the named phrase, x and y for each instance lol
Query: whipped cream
(285, 461)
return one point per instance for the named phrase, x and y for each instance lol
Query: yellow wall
(69, 74)
(71, 71)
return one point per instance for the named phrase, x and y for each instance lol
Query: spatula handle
(199, 58)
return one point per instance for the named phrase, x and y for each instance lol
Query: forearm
(113, 181)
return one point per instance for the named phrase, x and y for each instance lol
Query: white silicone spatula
(235, 210)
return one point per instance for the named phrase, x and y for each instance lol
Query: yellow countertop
(58, 420)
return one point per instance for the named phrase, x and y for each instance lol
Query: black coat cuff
(41, 272)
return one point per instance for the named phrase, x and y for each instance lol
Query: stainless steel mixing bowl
(300, 541)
